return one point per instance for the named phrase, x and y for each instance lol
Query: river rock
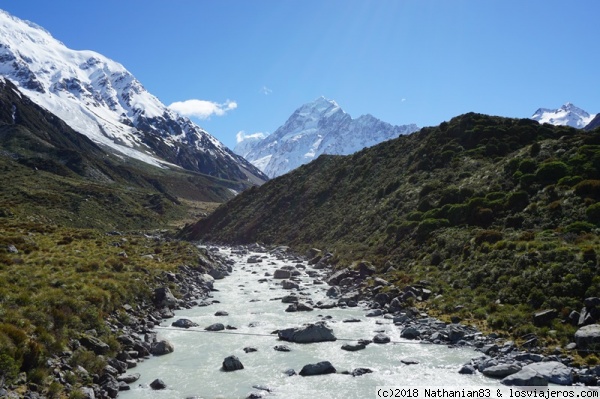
(289, 372)
(353, 348)
(158, 384)
(317, 369)
(466, 369)
(334, 292)
(553, 371)
(289, 285)
(215, 327)
(409, 361)
(317, 332)
(129, 378)
(221, 313)
(339, 276)
(410, 333)
(501, 370)
(250, 349)
(525, 378)
(161, 348)
(94, 344)
(360, 371)
(184, 323)
(588, 337)
(282, 348)
(232, 363)
(282, 274)
(374, 313)
(164, 298)
(290, 299)
(381, 339)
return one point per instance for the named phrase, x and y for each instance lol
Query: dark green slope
(500, 214)
(49, 171)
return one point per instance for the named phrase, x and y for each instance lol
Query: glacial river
(193, 370)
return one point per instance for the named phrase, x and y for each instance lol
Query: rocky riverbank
(527, 364)
(131, 336)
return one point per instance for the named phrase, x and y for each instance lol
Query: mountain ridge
(99, 98)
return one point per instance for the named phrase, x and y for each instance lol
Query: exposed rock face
(317, 332)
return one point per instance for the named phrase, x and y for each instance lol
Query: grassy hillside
(499, 215)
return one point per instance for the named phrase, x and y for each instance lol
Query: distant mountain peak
(567, 115)
(318, 127)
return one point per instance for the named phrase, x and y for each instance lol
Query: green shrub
(489, 236)
(579, 227)
(550, 172)
(527, 166)
(569, 181)
(593, 213)
(588, 188)
(428, 226)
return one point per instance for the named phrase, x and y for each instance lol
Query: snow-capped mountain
(99, 98)
(319, 127)
(567, 115)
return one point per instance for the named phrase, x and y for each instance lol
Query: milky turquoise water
(194, 368)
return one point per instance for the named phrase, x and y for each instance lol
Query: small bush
(550, 172)
(593, 213)
(579, 227)
(588, 188)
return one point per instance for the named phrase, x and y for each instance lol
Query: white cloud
(202, 109)
(265, 90)
(404, 99)
(242, 136)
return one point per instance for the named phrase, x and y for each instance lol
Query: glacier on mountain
(319, 127)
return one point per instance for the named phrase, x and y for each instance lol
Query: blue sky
(403, 61)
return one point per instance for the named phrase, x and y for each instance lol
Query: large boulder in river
(317, 332)
(317, 369)
(184, 323)
(161, 348)
(554, 372)
(232, 363)
(588, 337)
